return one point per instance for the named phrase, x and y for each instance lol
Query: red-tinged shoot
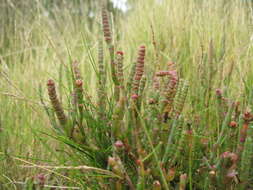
(166, 73)
(157, 185)
(79, 83)
(76, 70)
(120, 74)
(79, 91)
(106, 26)
(119, 145)
(134, 96)
(56, 103)
(232, 124)
(139, 70)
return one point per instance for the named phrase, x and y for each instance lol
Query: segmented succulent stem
(211, 72)
(116, 165)
(171, 136)
(79, 94)
(55, 102)
(221, 104)
(119, 110)
(224, 128)
(153, 113)
(108, 38)
(117, 124)
(247, 117)
(183, 181)
(76, 76)
(120, 74)
(142, 85)
(119, 90)
(180, 146)
(156, 83)
(177, 134)
(101, 66)
(76, 70)
(169, 95)
(180, 97)
(106, 26)
(163, 73)
(131, 76)
(118, 168)
(51, 115)
(141, 91)
(101, 92)
(157, 185)
(139, 70)
(246, 162)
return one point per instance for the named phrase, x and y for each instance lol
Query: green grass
(210, 42)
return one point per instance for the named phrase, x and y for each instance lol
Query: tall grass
(204, 146)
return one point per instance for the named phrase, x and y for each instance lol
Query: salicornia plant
(140, 131)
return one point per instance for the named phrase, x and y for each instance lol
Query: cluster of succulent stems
(144, 136)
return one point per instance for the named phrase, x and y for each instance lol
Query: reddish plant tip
(218, 92)
(156, 84)
(162, 73)
(134, 96)
(50, 82)
(138, 162)
(232, 124)
(106, 26)
(152, 101)
(41, 179)
(171, 173)
(139, 69)
(225, 154)
(120, 53)
(247, 116)
(142, 50)
(232, 174)
(204, 141)
(157, 183)
(80, 105)
(237, 103)
(119, 144)
(183, 176)
(247, 113)
(170, 63)
(231, 155)
(189, 132)
(111, 161)
(172, 73)
(79, 82)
